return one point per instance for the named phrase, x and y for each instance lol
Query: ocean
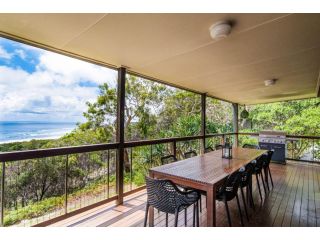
(11, 131)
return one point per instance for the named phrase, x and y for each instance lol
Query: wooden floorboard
(293, 201)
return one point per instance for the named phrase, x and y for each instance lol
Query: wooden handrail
(51, 152)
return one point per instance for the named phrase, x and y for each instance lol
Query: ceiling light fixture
(270, 82)
(220, 30)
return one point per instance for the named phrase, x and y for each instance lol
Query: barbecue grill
(274, 140)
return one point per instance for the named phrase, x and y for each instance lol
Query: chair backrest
(251, 146)
(258, 163)
(190, 154)
(168, 159)
(231, 186)
(267, 159)
(246, 174)
(208, 149)
(164, 195)
(218, 146)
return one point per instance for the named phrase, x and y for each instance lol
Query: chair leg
(263, 184)
(251, 197)
(197, 214)
(259, 187)
(270, 176)
(238, 202)
(185, 217)
(167, 218)
(228, 213)
(146, 215)
(176, 217)
(194, 215)
(266, 178)
(244, 203)
(200, 201)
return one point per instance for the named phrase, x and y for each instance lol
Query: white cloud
(58, 88)
(4, 54)
(21, 53)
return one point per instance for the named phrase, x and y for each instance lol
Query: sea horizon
(19, 131)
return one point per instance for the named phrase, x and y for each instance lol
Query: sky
(38, 85)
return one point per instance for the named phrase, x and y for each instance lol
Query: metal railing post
(2, 194)
(66, 173)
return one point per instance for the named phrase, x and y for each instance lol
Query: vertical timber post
(174, 148)
(120, 131)
(203, 120)
(235, 108)
(66, 174)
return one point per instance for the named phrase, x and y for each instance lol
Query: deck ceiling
(177, 49)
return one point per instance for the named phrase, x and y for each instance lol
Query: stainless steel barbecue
(274, 140)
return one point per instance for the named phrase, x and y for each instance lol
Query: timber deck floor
(293, 201)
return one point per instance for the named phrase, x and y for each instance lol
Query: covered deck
(294, 201)
(283, 48)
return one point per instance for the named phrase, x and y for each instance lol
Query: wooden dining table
(204, 172)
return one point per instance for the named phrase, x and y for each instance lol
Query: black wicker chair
(229, 191)
(251, 146)
(208, 149)
(258, 166)
(266, 168)
(165, 196)
(190, 154)
(168, 159)
(246, 182)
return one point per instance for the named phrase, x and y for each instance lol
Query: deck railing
(43, 186)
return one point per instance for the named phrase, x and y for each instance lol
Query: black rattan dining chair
(228, 191)
(258, 166)
(190, 154)
(208, 149)
(251, 146)
(165, 196)
(266, 168)
(246, 182)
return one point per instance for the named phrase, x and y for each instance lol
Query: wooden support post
(66, 174)
(235, 108)
(120, 132)
(203, 120)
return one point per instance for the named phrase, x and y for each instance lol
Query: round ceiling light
(270, 82)
(220, 30)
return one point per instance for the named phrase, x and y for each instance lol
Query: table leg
(211, 207)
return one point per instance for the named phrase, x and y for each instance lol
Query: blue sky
(38, 85)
